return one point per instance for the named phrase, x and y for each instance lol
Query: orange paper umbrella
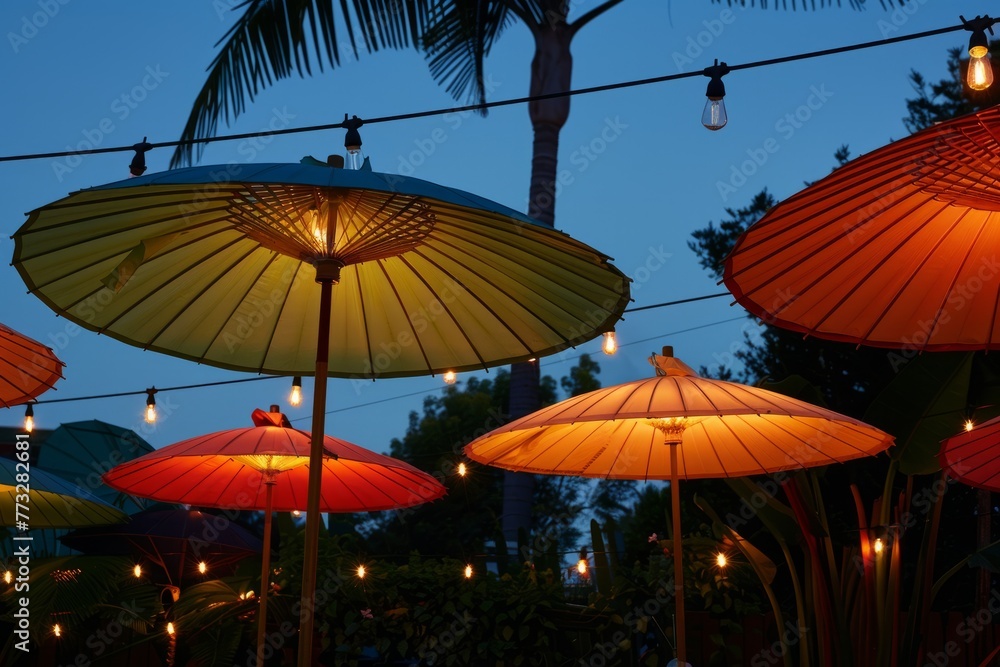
(27, 368)
(711, 428)
(973, 457)
(896, 249)
(266, 467)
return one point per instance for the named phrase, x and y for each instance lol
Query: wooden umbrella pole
(675, 507)
(265, 570)
(313, 520)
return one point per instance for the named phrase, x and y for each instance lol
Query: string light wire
(490, 105)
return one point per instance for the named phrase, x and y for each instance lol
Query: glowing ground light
(361, 571)
(721, 560)
(8, 577)
(468, 572)
(170, 629)
(969, 425)
(879, 545)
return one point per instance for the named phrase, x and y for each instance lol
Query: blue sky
(643, 173)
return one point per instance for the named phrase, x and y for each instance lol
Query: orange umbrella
(896, 249)
(713, 429)
(267, 467)
(972, 457)
(27, 368)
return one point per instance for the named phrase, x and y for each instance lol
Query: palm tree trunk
(551, 71)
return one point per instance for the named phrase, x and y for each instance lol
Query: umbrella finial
(667, 364)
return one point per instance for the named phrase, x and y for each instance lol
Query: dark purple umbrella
(175, 541)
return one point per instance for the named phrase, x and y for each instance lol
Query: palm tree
(276, 39)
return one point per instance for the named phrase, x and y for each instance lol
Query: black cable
(493, 105)
(160, 390)
(676, 303)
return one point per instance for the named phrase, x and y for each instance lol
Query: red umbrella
(27, 368)
(267, 467)
(896, 249)
(973, 457)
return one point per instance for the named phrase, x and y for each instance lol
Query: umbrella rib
(444, 306)
(827, 190)
(224, 322)
(507, 294)
(281, 306)
(364, 325)
(881, 263)
(116, 252)
(473, 237)
(178, 276)
(26, 230)
(399, 300)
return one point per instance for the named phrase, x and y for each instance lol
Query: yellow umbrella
(713, 429)
(234, 266)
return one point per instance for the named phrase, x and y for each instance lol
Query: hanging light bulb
(296, 513)
(610, 343)
(56, 630)
(979, 76)
(879, 545)
(202, 567)
(352, 140)
(170, 629)
(714, 115)
(468, 572)
(361, 572)
(150, 406)
(8, 577)
(462, 470)
(581, 566)
(721, 560)
(137, 570)
(29, 418)
(449, 377)
(295, 398)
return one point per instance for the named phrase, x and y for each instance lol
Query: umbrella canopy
(234, 266)
(711, 428)
(174, 540)
(82, 451)
(266, 467)
(230, 469)
(27, 368)
(53, 502)
(973, 457)
(726, 430)
(895, 249)
(218, 267)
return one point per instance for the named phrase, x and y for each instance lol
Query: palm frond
(72, 589)
(275, 39)
(458, 40)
